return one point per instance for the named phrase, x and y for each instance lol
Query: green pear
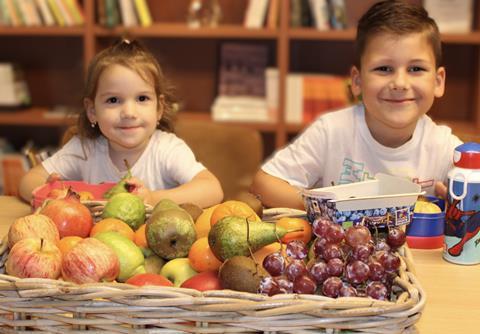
(228, 237)
(126, 207)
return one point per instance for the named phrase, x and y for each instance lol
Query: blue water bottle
(462, 218)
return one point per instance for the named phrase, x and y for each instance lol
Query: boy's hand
(440, 190)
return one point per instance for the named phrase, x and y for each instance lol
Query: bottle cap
(467, 156)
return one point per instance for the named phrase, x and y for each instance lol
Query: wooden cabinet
(55, 58)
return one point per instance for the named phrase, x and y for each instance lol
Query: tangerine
(201, 256)
(113, 224)
(141, 237)
(233, 208)
(305, 230)
(67, 243)
(202, 224)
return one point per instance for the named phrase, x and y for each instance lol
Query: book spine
(143, 13)
(76, 12)
(112, 13)
(320, 13)
(52, 4)
(127, 12)
(255, 13)
(273, 13)
(67, 17)
(17, 12)
(46, 15)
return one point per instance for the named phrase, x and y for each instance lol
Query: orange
(233, 208)
(113, 224)
(260, 254)
(201, 256)
(305, 233)
(202, 224)
(67, 243)
(140, 237)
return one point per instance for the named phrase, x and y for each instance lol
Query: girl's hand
(53, 178)
(139, 189)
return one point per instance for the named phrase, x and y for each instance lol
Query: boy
(397, 73)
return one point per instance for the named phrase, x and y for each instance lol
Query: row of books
(310, 95)
(128, 13)
(452, 16)
(17, 13)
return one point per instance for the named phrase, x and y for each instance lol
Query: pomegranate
(71, 217)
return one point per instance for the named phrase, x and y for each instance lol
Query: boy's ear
(89, 107)
(440, 82)
(355, 79)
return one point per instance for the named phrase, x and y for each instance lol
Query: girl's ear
(356, 81)
(440, 82)
(89, 109)
(161, 106)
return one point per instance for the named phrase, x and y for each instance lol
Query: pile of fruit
(226, 246)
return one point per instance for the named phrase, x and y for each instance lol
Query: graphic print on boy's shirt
(353, 171)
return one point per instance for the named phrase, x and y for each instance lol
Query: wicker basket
(56, 306)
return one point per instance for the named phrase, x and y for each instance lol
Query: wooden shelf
(42, 31)
(35, 117)
(180, 30)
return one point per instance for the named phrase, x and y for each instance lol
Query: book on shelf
(143, 13)
(14, 91)
(12, 168)
(311, 95)
(67, 16)
(57, 14)
(13, 12)
(273, 14)
(241, 84)
(452, 16)
(321, 14)
(127, 13)
(45, 14)
(255, 13)
(112, 13)
(75, 11)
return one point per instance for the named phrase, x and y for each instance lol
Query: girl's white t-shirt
(167, 162)
(338, 148)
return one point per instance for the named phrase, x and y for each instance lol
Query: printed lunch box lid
(377, 197)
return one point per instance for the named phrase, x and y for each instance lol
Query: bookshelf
(54, 60)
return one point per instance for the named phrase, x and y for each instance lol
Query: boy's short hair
(397, 17)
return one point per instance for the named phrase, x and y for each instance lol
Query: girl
(128, 117)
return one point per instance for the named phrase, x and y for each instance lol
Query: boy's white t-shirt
(338, 148)
(166, 162)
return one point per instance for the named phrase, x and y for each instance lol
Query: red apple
(34, 257)
(33, 226)
(90, 261)
(207, 280)
(148, 279)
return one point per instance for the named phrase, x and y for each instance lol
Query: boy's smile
(398, 81)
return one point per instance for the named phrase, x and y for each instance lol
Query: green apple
(178, 270)
(153, 264)
(130, 256)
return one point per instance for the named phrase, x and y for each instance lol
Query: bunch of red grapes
(346, 263)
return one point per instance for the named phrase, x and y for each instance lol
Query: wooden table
(453, 291)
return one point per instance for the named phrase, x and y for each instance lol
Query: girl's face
(126, 109)
(398, 82)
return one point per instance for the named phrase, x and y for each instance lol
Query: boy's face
(398, 82)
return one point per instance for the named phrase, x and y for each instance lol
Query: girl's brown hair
(133, 55)
(400, 18)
